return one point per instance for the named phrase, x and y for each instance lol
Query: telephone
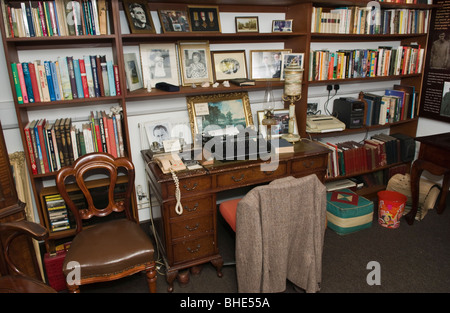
(323, 124)
(169, 163)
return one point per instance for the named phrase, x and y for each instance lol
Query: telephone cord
(178, 207)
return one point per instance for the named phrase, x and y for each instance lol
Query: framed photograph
(229, 64)
(204, 18)
(157, 132)
(282, 26)
(174, 21)
(219, 111)
(132, 71)
(138, 16)
(282, 127)
(247, 24)
(159, 64)
(195, 62)
(266, 64)
(288, 58)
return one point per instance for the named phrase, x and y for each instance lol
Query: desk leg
(416, 172)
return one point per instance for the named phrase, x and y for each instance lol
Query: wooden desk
(190, 239)
(434, 156)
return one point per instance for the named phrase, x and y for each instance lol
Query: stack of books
(57, 213)
(65, 79)
(55, 145)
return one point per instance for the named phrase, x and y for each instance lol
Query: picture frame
(157, 132)
(282, 26)
(247, 24)
(174, 21)
(229, 64)
(195, 62)
(266, 64)
(203, 18)
(219, 111)
(159, 64)
(287, 58)
(138, 16)
(132, 72)
(282, 127)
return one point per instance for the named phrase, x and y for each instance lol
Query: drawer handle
(190, 188)
(189, 228)
(193, 250)
(308, 164)
(193, 209)
(237, 179)
(269, 173)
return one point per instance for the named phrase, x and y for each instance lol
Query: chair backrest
(90, 164)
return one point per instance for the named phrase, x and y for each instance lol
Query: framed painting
(132, 72)
(230, 64)
(174, 21)
(159, 64)
(195, 62)
(138, 16)
(266, 64)
(218, 112)
(204, 18)
(247, 24)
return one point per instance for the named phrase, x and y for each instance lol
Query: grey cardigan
(280, 230)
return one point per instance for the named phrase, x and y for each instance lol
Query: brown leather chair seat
(119, 245)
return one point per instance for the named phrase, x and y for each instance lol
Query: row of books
(52, 146)
(361, 63)
(65, 79)
(397, 104)
(366, 20)
(55, 18)
(408, 1)
(351, 157)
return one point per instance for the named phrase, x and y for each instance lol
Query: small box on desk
(348, 212)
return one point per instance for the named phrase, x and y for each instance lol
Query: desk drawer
(308, 164)
(187, 250)
(191, 207)
(190, 185)
(250, 175)
(192, 226)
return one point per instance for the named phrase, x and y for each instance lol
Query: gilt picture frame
(195, 62)
(218, 112)
(229, 64)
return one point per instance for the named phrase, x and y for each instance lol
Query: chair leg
(150, 272)
(73, 288)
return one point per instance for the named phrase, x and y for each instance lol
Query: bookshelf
(113, 43)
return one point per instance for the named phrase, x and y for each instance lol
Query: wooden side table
(434, 156)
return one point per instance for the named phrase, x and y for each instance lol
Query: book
(15, 74)
(48, 75)
(27, 80)
(340, 184)
(243, 82)
(78, 82)
(34, 82)
(281, 145)
(30, 148)
(22, 83)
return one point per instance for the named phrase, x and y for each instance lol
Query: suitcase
(348, 212)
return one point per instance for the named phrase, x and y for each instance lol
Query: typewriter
(245, 145)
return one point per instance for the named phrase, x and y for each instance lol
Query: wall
(140, 112)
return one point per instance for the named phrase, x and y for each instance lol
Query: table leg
(416, 172)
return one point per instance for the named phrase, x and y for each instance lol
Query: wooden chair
(20, 282)
(107, 250)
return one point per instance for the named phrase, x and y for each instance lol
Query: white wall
(142, 111)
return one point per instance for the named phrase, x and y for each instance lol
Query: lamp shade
(293, 75)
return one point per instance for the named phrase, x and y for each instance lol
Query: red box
(53, 267)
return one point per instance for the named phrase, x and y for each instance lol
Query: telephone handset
(169, 163)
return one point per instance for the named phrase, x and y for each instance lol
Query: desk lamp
(293, 75)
